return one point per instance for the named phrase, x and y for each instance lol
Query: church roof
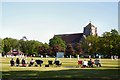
(90, 25)
(71, 38)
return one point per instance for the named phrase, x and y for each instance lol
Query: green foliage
(27, 47)
(107, 44)
(0, 45)
(30, 47)
(57, 41)
(46, 45)
(56, 45)
(69, 50)
(8, 43)
(78, 48)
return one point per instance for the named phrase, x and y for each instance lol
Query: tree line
(107, 44)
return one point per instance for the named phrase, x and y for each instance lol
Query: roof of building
(71, 38)
(15, 51)
(90, 25)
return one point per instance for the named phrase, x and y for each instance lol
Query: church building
(74, 38)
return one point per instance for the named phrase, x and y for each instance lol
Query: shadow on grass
(71, 74)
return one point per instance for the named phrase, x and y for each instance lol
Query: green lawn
(69, 69)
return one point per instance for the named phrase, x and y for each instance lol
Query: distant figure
(99, 56)
(80, 63)
(90, 63)
(112, 57)
(39, 62)
(97, 63)
(12, 62)
(58, 63)
(85, 63)
(116, 57)
(23, 63)
(89, 56)
(31, 62)
(17, 62)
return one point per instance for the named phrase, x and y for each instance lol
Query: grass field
(69, 69)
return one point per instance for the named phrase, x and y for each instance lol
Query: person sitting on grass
(97, 62)
(80, 62)
(17, 62)
(90, 63)
(85, 63)
(31, 62)
(23, 63)
(12, 62)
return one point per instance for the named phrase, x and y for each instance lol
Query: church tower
(90, 29)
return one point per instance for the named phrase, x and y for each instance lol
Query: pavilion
(15, 52)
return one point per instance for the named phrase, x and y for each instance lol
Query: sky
(42, 20)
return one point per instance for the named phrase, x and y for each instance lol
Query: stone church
(74, 38)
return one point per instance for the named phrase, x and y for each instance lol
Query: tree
(111, 42)
(9, 43)
(0, 45)
(69, 50)
(57, 44)
(90, 45)
(46, 49)
(23, 45)
(57, 41)
(78, 49)
(29, 47)
(107, 44)
(114, 42)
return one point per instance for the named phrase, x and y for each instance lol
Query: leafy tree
(57, 41)
(46, 49)
(111, 42)
(93, 44)
(107, 44)
(69, 50)
(0, 45)
(85, 46)
(9, 43)
(23, 46)
(57, 44)
(56, 48)
(29, 47)
(78, 49)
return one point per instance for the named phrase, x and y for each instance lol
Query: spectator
(17, 62)
(23, 63)
(12, 62)
(90, 63)
(97, 63)
(85, 63)
(31, 62)
(80, 63)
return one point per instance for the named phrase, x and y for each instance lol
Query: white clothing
(85, 63)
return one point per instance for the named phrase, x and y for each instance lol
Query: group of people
(81, 63)
(89, 63)
(23, 62)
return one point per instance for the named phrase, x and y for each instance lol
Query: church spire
(90, 21)
(90, 29)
